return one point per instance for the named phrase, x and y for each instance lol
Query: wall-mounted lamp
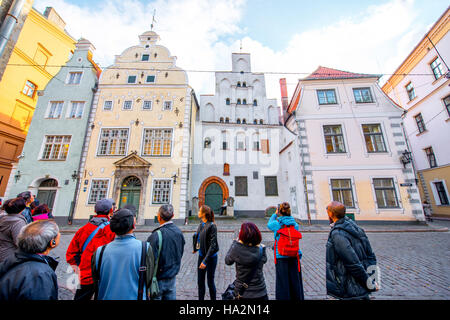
(74, 175)
(92, 126)
(17, 176)
(175, 176)
(177, 111)
(136, 122)
(405, 158)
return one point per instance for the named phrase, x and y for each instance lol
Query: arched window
(239, 84)
(226, 169)
(244, 101)
(255, 121)
(227, 120)
(255, 102)
(221, 119)
(227, 101)
(261, 121)
(244, 121)
(49, 183)
(238, 101)
(244, 84)
(238, 121)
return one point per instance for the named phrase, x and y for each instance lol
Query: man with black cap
(88, 238)
(117, 267)
(171, 251)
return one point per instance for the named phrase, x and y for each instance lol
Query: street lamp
(17, 176)
(405, 158)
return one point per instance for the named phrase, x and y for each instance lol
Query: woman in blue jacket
(289, 284)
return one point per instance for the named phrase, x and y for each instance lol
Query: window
(107, 105)
(167, 106)
(256, 146)
(244, 101)
(221, 119)
(373, 136)
(271, 186)
(342, 191)
(261, 121)
(147, 105)
(227, 120)
(420, 123)
(240, 142)
(241, 186)
(55, 109)
(76, 109)
(99, 190)
(145, 57)
(227, 101)
(161, 191)
(207, 143)
(127, 105)
(238, 101)
(29, 89)
(244, 121)
(74, 78)
(255, 121)
(224, 141)
(238, 84)
(131, 79)
(410, 90)
(238, 121)
(226, 169)
(56, 148)
(255, 175)
(447, 104)
(362, 95)
(430, 156)
(255, 102)
(157, 142)
(385, 193)
(442, 194)
(334, 139)
(244, 84)
(265, 146)
(113, 142)
(437, 68)
(150, 79)
(327, 96)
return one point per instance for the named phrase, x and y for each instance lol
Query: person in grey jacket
(351, 265)
(10, 226)
(245, 252)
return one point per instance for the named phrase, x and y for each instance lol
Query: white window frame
(164, 105)
(157, 128)
(132, 75)
(371, 94)
(154, 79)
(437, 200)
(68, 77)
(49, 107)
(385, 139)
(400, 209)
(131, 105)
(151, 105)
(97, 155)
(112, 105)
(41, 152)
(153, 187)
(338, 103)
(69, 110)
(356, 209)
(90, 189)
(344, 134)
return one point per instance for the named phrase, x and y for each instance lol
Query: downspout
(12, 17)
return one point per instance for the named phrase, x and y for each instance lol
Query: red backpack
(288, 243)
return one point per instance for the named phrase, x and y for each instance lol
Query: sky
(293, 37)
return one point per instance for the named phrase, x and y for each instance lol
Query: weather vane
(153, 19)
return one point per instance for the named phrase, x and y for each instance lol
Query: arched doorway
(47, 192)
(212, 192)
(130, 192)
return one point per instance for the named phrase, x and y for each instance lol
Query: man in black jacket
(171, 252)
(351, 264)
(29, 274)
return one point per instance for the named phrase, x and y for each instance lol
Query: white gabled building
(348, 142)
(237, 143)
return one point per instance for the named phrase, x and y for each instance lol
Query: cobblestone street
(413, 265)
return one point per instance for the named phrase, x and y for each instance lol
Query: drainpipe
(12, 17)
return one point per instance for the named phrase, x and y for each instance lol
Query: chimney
(284, 98)
(54, 17)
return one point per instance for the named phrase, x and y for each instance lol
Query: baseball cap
(122, 221)
(103, 206)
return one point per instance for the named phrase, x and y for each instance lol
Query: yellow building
(421, 85)
(140, 142)
(43, 46)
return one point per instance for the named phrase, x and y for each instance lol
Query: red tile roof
(324, 73)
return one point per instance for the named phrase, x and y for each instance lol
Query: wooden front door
(130, 192)
(214, 197)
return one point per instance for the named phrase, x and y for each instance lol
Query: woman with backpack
(289, 284)
(249, 255)
(205, 242)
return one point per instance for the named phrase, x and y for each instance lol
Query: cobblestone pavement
(414, 265)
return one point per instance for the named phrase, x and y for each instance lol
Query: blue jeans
(209, 272)
(167, 289)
